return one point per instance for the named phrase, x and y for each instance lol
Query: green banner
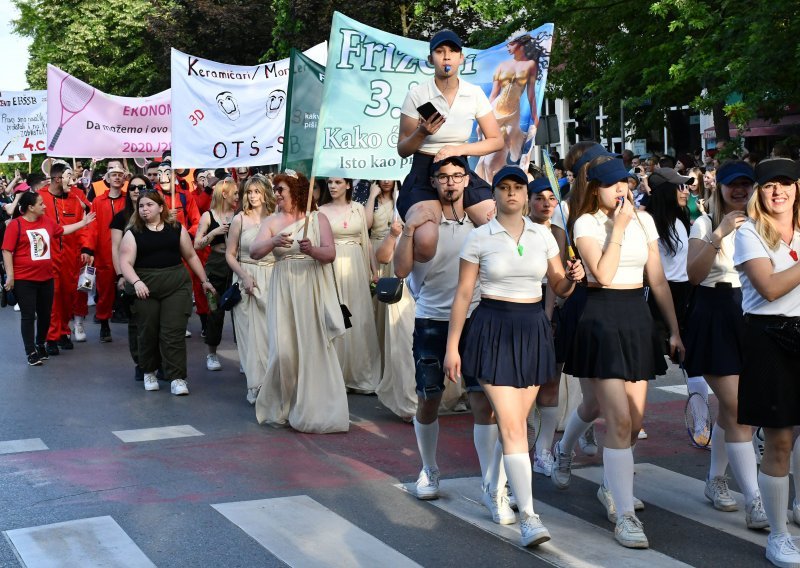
(306, 78)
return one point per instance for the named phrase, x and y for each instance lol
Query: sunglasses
(137, 187)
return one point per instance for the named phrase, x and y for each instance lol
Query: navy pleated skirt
(615, 338)
(715, 332)
(509, 344)
(568, 317)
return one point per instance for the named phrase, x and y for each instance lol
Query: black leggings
(35, 304)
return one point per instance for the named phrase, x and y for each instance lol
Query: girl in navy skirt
(766, 256)
(714, 337)
(509, 344)
(615, 345)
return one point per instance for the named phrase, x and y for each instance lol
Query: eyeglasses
(136, 187)
(683, 187)
(443, 178)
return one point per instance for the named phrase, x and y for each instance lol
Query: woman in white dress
(358, 350)
(303, 385)
(252, 276)
(379, 212)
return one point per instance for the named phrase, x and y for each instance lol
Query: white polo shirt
(470, 103)
(509, 269)
(675, 265)
(722, 269)
(750, 245)
(634, 250)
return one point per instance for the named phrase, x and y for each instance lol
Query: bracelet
(614, 243)
(716, 248)
(135, 283)
(407, 235)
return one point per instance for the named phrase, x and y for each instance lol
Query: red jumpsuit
(202, 197)
(97, 243)
(64, 209)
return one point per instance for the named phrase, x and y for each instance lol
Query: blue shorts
(429, 349)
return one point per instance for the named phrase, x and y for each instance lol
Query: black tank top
(219, 239)
(158, 249)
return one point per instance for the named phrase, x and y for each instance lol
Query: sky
(14, 49)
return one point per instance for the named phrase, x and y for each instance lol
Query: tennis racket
(534, 421)
(697, 417)
(74, 96)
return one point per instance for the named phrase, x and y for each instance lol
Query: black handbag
(346, 315)
(786, 335)
(389, 290)
(230, 298)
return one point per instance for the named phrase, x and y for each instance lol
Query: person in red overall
(202, 193)
(97, 244)
(65, 207)
(188, 215)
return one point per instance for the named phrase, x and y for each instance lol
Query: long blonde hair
(222, 189)
(765, 226)
(264, 187)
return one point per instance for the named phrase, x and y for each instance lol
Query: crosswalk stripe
(151, 434)
(683, 495)
(98, 541)
(18, 446)
(575, 543)
(291, 528)
(675, 389)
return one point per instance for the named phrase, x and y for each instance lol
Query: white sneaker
(512, 501)
(212, 362)
(605, 498)
(188, 333)
(629, 532)
(588, 443)
(642, 434)
(562, 467)
(533, 531)
(758, 444)
(498, 506)
(718, 493)
(150, 382)
(252, 395)
(428, 484)
(543, 462)
(754, 515)
(178, 387)
(16, 307)
(782, 551)
(78, 332)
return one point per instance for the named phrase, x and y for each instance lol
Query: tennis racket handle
(55, 138)
(570, 251)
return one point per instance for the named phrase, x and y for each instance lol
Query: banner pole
(74, 165)
(172, 187)
(311, 182)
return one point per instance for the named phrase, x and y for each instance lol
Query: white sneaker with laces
(562, 467)
(78, 332)
(629, 532)
(605, 498)
(782, 551)
(428, 484)
(717, 492)
(497, 503)
(150, 382)
(178, 387)
(588, 443)
(533, 532)
(543, 462)
(754, 515)
(212, 362)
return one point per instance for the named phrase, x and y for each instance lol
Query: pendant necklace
(792, 252)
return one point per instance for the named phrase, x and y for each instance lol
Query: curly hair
(298, 188)
(534, 49)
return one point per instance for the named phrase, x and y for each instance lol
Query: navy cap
(445, 36)
(539, 185)
(609, 172)
(734, 170)
(462, 161)
(590, 154)
(509, 172)
(776, 168)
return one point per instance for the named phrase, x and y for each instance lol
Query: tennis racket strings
(74, 96)
(697, 416)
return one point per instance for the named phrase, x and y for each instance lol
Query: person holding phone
(431, 136)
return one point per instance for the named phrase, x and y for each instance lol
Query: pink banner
(83, 122)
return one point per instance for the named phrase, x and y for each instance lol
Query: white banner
(229, 115)
(23, 125)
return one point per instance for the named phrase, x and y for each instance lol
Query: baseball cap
(775, 168)
(461, 160)
(609, 172)
(115, 168)
(21, 187)
(730, 171)
(509, 172)
(667, 177)
(445, 36)
(539, 185)
(590, 154)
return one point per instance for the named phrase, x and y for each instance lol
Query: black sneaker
(65, 343)
(42, 352)
(33, 359)
(105, 332)
(52, 348)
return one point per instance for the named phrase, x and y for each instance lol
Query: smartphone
(621, 200)
(427, 110)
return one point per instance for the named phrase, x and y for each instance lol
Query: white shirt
(470, 103)
(504, 272)
(722, 269)
(433, 283)
(675, 266)
(558, 219)
(750, 245)
(634, 250)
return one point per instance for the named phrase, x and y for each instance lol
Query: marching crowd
(489, 288)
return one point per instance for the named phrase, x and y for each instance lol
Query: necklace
(792, 252)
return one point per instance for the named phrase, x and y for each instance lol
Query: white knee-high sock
(484, 437)
(796, 468)
(745, 470)
(548, 428)
(698, 384)
(775, 496)
(618, 468)
(427, 440)
(572, 431)
(719, 453)
(520, 475)
(497, 460)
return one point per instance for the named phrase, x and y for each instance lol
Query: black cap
(461, 160)
(775, 168)
(667, 177)
(509, 172)
(445, 36)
